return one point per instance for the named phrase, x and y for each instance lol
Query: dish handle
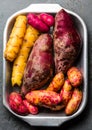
(53, 121)
(53, 8)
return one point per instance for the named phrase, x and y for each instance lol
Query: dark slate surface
(84, 9)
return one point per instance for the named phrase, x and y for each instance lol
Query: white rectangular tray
(46, 118)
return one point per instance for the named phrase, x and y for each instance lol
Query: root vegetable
(39, 68)
(57, 82)
(32, 109)
(47, 19)
(74, 102)
(16, 38)
(35, 21)
(43, 98)
(16, 104)
(20, 62)
(67, 42)
(66, 92)
(75, 76)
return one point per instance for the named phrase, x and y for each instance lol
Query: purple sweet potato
(67, 41)
(39, 68)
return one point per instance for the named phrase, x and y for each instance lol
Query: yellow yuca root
(16, 38)
(20, 62)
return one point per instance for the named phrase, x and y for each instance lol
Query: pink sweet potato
(37, 23)
(47, 19)
(67, 41)
(39, 68)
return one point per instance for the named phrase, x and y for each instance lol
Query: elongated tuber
(74, 102)
(31, 108)
(39, 68)
(66, 92)
(16, 38)
(43, 98)
(20, 62)
(57, 82)
(67, 42)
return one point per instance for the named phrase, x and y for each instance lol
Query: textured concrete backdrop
(84, 9)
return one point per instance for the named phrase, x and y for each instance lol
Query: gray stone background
(84, 9)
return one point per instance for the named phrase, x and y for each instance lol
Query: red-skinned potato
(37, 23)
(16, 104)
(47, 19)
(75, 76)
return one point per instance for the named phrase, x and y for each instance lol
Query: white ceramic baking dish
(46, 118)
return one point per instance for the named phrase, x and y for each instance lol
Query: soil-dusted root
(39, 68)
(67, 41)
